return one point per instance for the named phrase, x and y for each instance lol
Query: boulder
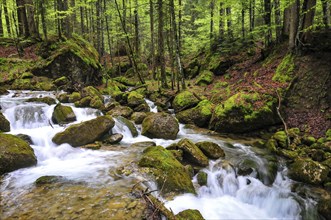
(124, 111)
(138, 117)
(47, 100)
(184, 100)
(15, 153)
(25, 138)
(112, 139)
(324, 207)
(74, 97)
(135, 99)
(128, 124)
(160, 125)
(43, 180)
(205, 78)
(61, 81)
(244, 112)
(308, 171)
(143, 144)
(170, 175)
(202, 178)
(211, 149)
(86, 132)
(191, 214)
(4, 123)
(84, 102)
(63, 114)
(191, 153)
(199, 115)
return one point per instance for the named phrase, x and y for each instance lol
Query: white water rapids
(224, 197)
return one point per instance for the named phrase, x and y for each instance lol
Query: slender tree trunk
(1, 27)
(109, 40)
(43, 18)
(98, 26)
(212, 6)
(251, 15)
(170, 43)
(161, 58)
(326, 13)
(278, 21)
(20, 15)
(180, 24)
(82, 29)
(67, 23)
(136, 29)
(73, 16)
(124, 14)
(151, 17)
(221, 22)
(243, 22)
(6, 13)
(294, 24)
(87, 19)
(229, 22)
(58, 6)
(267, 22)
(308, 11)
(30, 18)
(286, 22)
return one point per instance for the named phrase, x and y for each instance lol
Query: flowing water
(93, 189)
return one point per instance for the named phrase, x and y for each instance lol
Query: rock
(128, 124)
(144, 144)
(202, 178)
(281, 139)
(191, 214)
(91, 92)
(25, 138)
(160, 125)
(328, 133)
(94, 146)
(15, 153)
(97, 103)
(210, 149)
(135, 99)
(324, 207)
(170, 175)
(138, 117)
(4, 123)
(74, 97)
(191, 153)
(308, 140)
(308, 171)
(125, 81)
(144, 107)
(63, 98)
(61, 81)
(199, 115)
(63, 114)
(3, 91)
(184, 100)
(246, 167)
(124, 111)
(84, 102)
(47, 100)
(48, 180)
(240, 113)
(86, 132)
(27, 75)
(113, 139)
(205, 78)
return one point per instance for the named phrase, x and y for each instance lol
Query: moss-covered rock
(170, 175)
(281, 139)
(3, 91)
(61, 81)
(86, 132)
(112, 139)
(199, 115)
(124, 111)
(202, 178)
(308, 171)
(4, 123)
(63, 114)
(324, 207)
(284, 71)
(22, 84)
(49, 180)
(244, 112)
(125, 81)
(47, 100)
(74, 97)
(211, 149)
(92, 92)
(160, 125)
(191, 214)
(15, 154)
(135, 99)
(328, 133)
(191, 153)
(84, 102)
(206, 77)
(128, 124)
(97, 103)
(184, 100)
(138, 117)
(27, 75)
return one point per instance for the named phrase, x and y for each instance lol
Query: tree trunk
(180, 24)
(43, 18)
(136, 29)
(58, 6)
(6, 13)
(82, 29)
(294, 24)
(151, 17)
(161, 58)
(267, 22)
(67, 24)
(286, 22)
(326, 13)
(251, 15)
(221, 22)
(23, 28)
(278, 21)
(212, 6)
(1, 27)
(30, 18)
(98, 26)
(243, 21)
(308, 11)
(73, 16)
(108, 34)
(229, 22)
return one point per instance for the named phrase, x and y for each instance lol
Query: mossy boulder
(170, 175)
(199, 115)
(74, 97)
(3, 91)
(97, 103)
(138, 117)
(244, 112)
(184, 100)
(160, 125)
(119, 110)
(61, 81)
(63, 114)
(27, 75)
(129, 124)
(22, 84)
(15, 153)
(4, 123)
(112, 139)
(206, 77)
(202, 178)
(191, 153)
(324, 207)
(308, 171)
(92, 94)
(281, 139)
(84, 102)
(125, 81)
(43, 180)
(284, 71)
(191, 214)
(211, 149)
(47, 100)
(86, 132)
(135, 99)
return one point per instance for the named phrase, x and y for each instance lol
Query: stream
(93, 190)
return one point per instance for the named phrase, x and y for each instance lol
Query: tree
(221, 22)
(6, 13)
(278, 21)
(267, 22)
(151, 17)
(42, 9)
(294, 24)
(229, 22)
(308, 11)
(326, 13)
(1, 27)
(161, 58)
(33, 31)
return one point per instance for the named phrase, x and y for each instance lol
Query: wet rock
(191, 214)
(202, 178)
(324, 207)
(138, 117)
(191, 153)
(74, 97)
(113, 139)
(25, 137)
(144, 107)
(86, 132)
(135, 99)
(4, 123)
(61, 81)
(144, 144)
(84, 102)
(93, 146)
(160, 125)
(170, 175)
(199, 115)
(308, 171)
(246, 167)
(63, 114)
(3, 91)
(184, 100)
(47, 100)
(15, 153)
(128, 124)
(281, 139)
(211, 149)
(63, 98)
(124, 111)
(49, 180)
(95, 97)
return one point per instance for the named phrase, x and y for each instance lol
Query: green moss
(22, 84)
(281, 138)
(191, 214)
(13, 68)
(219, 85)
(285, 69)
(27, 75)
(202, 178)
(328, 133)
(74, 97)
(205, 78)
(63, 114)
(184, 100)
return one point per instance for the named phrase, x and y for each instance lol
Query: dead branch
(282, 119)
